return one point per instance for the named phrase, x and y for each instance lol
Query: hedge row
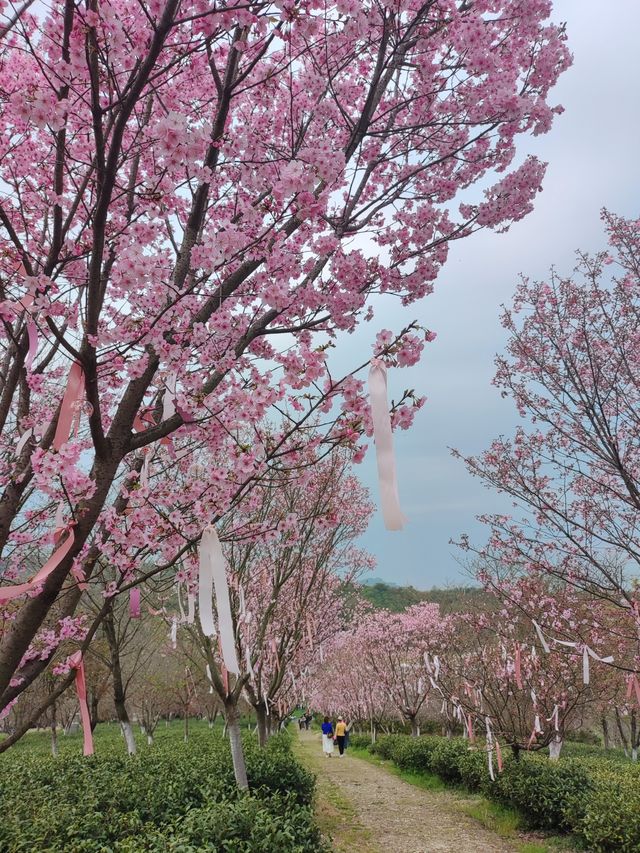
(595, 799)
(173, 797)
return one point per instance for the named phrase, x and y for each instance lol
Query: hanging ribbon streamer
(518, 666)
(134, 602)
(169, 398)
(247, 657)
(587, 653)
(24, 438)
(470, 731)
(498, 755)
(191, 608)
(383, 437)
(489, 742)
(174, 632)
(32, 332)
(8, 593)
(72, 396)
(211, 553)
(183, 616)
(541, 637)
(77, 663)
(554, 718)
(205, 588)
(633, 685)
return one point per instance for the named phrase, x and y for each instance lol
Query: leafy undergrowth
(595, 798)
(172, 797)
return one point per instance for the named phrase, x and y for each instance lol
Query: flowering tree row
(196, 200)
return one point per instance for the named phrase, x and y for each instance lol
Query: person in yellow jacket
(341, 731)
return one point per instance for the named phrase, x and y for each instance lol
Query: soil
(366, 809)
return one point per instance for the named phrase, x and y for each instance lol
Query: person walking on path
(347, 732)
(341, 733)
(327, 738)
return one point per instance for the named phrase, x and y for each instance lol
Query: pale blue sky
(592, 153)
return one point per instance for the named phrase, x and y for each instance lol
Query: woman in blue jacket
(327, 738)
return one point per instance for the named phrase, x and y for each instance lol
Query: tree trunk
(118, 686)
(237, 755)
(261, 719)
(186, 725)
(54, 739)
(515, 749)
(415, 728)
(149, 739)
(554, 747)
(623, 737)
(634, 735)
(605, 733)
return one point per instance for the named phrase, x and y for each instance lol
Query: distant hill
(398, 598)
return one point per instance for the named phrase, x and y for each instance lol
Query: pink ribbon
(77, 663)
(470, 731)
(32, 332)
(134, 602)
(518, 666)
(633, 685)
(8, 593)
(72, 396)
(383, 437)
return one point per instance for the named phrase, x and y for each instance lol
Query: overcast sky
(593, 154)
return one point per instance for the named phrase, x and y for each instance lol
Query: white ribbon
(174, 632)
(554, 718)
(543, 642)
(587, 652)
(191, 608)
(24, 438)
(169, 399)
(205, 588)
(247, 657)
(383, 437)
(211, 551)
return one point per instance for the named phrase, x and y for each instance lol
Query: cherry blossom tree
(394, 651)
(291, 556)
(196, 200)
(518, 670)
(572, 368)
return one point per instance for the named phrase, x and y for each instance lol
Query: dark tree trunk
(261, 719)
(119, 697)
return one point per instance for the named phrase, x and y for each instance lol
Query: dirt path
(366, 809)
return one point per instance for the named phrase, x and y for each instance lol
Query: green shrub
(159, 799)
(445, 759)
(359, 741)
(474, 770)
(608, 819)
(543, 790)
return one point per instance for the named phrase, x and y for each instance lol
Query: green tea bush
(160, 797)
(359, 741)
(542, 790)
(446, 757)
(609, 818)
